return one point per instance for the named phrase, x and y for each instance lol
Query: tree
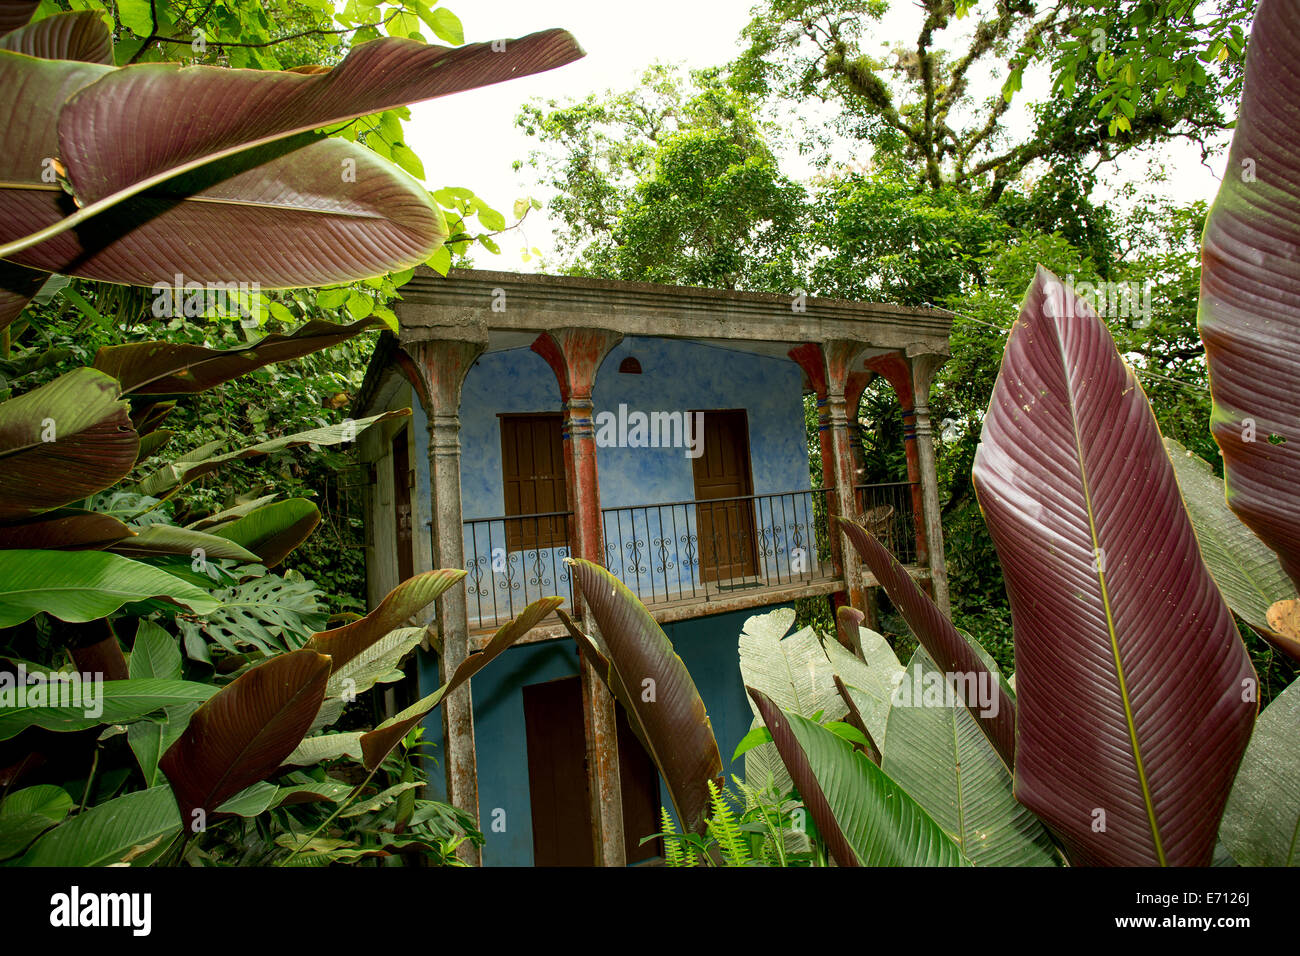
(919, 107)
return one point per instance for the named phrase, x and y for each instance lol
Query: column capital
(436, 369)
(841, 356)
(924, 365)
(808, 356)
(574, 354)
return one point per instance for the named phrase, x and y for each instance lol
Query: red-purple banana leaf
(1250, 292)
(1135, 697)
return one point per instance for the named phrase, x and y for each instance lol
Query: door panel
(532, 466)
(557, 779)
(725, 528)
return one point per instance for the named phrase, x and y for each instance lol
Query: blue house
(660, 431)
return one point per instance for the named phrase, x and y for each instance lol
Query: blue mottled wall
(708, 645)
(677, 376)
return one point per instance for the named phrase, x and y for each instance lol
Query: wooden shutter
(532, 466)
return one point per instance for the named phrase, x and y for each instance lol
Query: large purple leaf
(15, 13)
(664, 700)
(178, 368)
(17, 286)
(1250, 292)
(944, 643)
(63, 441)
(245, 731)
(82, 35)
(1134, 694)
(121, 138)
(280, 215)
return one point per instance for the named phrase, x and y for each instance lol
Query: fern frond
(724, 829)
(673, 853)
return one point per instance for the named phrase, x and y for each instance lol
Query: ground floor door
(557, 779)
(724, 515)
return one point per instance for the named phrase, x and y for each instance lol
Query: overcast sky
(470, 139)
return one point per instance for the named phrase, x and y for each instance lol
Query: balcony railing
(887, 512)
(512, 561)
(704, 550)
(680, 551)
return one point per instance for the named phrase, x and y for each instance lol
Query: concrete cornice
(461, 307)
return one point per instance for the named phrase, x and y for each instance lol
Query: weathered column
(924, 365)
(896, 370)
(439, 368)
(810, 359)
(857, 384)
(575, 354)
(840, 356)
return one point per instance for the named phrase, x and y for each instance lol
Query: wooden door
(725, 529)
(557, 779)
(532, 466)
(402, 513)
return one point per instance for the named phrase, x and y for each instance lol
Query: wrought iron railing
(887, 511)
(512, 561)
(680, 550)
(691, 550)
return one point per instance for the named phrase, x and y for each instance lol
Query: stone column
(896, 370)
(575, 354)
(924, 366)
(810, 359)
(840, 357)
(438, 369)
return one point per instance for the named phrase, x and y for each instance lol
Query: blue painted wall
(708, 646)
(677, 376)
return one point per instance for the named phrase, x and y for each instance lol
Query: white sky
(470, 139)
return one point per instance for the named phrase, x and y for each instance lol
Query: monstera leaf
(1249, 312)
(1129, 666)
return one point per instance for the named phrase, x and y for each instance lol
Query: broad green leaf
(78, 586)
(160, 539)
(865, 817)
(1261, 824)
(26, 814)
(378, 663)
(937, 753)
(107, 833)
(1246, 570)
(80, 707)
(274, 530)
(314, 750)
(1129, 667)
(945, 645)
(251, 801)
(154, 654)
